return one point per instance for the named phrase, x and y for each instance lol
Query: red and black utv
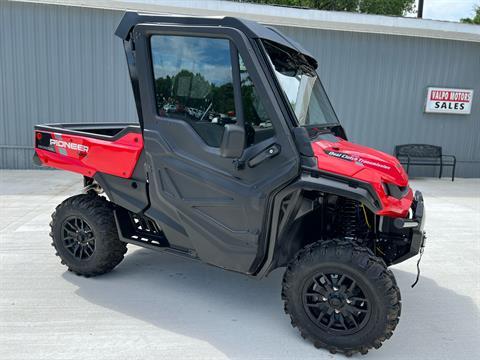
(239, 160)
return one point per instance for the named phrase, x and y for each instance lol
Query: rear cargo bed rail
(104, 131)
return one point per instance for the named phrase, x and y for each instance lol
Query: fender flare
(315, 181)
(360, 191)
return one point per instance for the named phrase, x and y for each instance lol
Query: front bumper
(410, 228)
(418, 234)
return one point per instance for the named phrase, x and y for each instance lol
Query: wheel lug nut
(324, 298)
(335, 288)
(349, 301)
(337, 311)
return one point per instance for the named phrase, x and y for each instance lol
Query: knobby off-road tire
(85, 236)
(365, 307)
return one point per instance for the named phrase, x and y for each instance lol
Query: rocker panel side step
(139, 230)
(142, 231)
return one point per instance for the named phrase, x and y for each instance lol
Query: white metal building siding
(63, 64)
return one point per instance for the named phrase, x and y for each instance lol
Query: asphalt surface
(158, 306)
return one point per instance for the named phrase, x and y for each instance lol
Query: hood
(342, 157)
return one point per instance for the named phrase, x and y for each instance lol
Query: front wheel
(341, 297)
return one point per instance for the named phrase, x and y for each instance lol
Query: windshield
(301, 86)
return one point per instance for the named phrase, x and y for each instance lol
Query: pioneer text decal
(68, 145)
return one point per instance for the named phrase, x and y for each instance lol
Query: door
(193, 81)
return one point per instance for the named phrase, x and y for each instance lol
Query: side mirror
(233, 141)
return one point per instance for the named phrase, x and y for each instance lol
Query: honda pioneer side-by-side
(239, 160)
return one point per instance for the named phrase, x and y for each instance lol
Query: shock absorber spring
(349, 218)
(353, 220)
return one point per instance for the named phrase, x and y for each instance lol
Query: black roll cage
(253, 31)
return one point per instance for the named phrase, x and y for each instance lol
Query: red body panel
(368, 165)
(87, 155)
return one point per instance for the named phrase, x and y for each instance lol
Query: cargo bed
(110, 148)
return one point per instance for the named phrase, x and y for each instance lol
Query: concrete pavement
(157, 306)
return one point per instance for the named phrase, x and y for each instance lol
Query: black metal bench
(425, 155)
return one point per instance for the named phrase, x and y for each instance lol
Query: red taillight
(39, 135)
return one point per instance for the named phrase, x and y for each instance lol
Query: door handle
(268, 153)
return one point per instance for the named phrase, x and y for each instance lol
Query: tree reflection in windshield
(193, 82)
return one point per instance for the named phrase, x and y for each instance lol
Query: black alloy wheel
(78, 237)
(336, 303)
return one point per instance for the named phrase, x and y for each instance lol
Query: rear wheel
(85, 236)
(341, 297)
